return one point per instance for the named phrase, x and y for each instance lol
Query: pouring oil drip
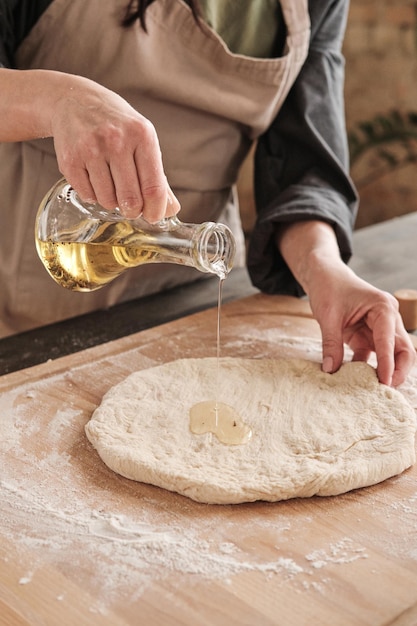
(213, 416)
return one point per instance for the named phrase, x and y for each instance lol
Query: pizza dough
(313, 433)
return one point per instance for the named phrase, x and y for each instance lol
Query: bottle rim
(216, 248)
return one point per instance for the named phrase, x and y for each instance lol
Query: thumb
(332, 343)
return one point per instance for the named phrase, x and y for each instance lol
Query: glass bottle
(83, 246)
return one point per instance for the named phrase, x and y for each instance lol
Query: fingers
(110, 154)
(381, 330)
(110, 189)
(383, 326)
(81, 182)
(173, 205)
(353, 312)
(374, 327)
(101, 182)
(393, 368)
(393, 348)
(126, 191)
(130, 177)
(332, 341)
(405, 358)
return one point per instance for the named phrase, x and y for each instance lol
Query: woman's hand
(110, 153)
(353, 312)
(348, 309)
(107, 150)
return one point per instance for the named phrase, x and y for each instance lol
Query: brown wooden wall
(381, 110)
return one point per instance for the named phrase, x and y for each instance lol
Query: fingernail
(327, 366)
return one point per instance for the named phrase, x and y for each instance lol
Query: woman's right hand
(110, 153)
(106, 150)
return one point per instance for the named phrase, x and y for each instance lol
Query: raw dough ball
(313, 433)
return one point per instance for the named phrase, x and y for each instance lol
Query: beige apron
(207, 104)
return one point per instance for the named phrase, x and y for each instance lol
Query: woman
(159, 113)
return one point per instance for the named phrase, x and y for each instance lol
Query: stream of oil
(213, 416)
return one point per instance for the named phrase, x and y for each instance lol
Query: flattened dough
(313, 433)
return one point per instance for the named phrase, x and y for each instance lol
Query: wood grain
(81, 545)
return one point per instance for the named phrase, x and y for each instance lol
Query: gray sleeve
(5, 32)
(301, 162)
(17, 18)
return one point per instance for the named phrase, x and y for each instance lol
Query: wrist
(30, 99)
(311, 251)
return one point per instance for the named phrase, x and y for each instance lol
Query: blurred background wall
(380, 50)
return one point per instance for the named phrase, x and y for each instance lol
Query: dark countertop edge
(56, 340)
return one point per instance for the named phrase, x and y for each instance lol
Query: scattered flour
(25, 579)
(124, 551)
(341, 552)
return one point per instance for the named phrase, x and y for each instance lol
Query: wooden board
(81, 545)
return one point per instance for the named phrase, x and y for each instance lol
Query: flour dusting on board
(63, 505)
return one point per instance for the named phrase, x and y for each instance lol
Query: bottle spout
(216, 249)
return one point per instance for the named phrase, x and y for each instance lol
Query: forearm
(29, 100)
(107, 150)
(310, 250)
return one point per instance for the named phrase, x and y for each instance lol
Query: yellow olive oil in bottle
(83, 246)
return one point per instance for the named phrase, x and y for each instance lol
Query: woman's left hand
(348, 309)
(353, 312)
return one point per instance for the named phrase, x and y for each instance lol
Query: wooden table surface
(80, 545)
